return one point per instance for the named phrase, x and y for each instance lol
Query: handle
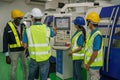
(108, 28)
(111, 33)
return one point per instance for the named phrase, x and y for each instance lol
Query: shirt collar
(37, 23)
(94, 30)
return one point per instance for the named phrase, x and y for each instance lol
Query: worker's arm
(96, 47)
(6, 33)
(25, 39)
(25, 45)
(55, 30)
(80, 43)
(77, 50)
(52, 32)
(6, 40)
(92, 59)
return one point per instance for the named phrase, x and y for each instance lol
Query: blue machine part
(52, 59)
(113, 72)
(48, 20)
(59, 61)
(106, 12)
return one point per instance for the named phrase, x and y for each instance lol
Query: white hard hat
(36, 13)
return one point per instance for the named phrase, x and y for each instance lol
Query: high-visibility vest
(18, 42)
(89, 50)
(80, 54)
(39, 42)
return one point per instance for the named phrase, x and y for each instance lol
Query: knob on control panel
(68, 32)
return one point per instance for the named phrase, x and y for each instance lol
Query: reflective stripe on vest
(89, 50)
(40, 53)
(96, 60)
(76, 54)
(38, 45)
(38, 42)
(79, 55)
(18, 42)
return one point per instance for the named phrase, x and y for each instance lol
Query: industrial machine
(62, 22)
(109, 26)
(111, 69)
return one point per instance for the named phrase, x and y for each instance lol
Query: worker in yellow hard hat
(94, 47)
(12, 46)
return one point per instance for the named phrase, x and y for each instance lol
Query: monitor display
(62, 22)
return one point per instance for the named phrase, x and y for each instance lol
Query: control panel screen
(62, 22)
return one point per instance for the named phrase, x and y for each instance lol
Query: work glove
(8, 60)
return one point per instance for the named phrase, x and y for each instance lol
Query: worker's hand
(55, 30)
(8, 60)
(86, 66)
(70, 53)
(24, 45)
(26, 52)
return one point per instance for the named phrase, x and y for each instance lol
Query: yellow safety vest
(79, 55)
(89, 50)
(39, 42)
(18, 42)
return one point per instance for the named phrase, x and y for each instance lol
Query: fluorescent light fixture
(49, 0)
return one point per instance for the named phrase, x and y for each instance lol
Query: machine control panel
(62, 25)
(63, 35)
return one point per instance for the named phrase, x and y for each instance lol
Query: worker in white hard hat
(37, 40)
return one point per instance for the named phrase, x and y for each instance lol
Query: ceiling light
(49, 0)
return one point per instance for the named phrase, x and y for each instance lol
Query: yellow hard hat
(94, 17)
(16, 13)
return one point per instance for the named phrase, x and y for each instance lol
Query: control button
(68, 32)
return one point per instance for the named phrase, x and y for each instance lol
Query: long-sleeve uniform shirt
(9, 38)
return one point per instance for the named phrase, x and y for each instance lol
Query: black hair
(95, 25)
(37, 20)
(83, 31)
